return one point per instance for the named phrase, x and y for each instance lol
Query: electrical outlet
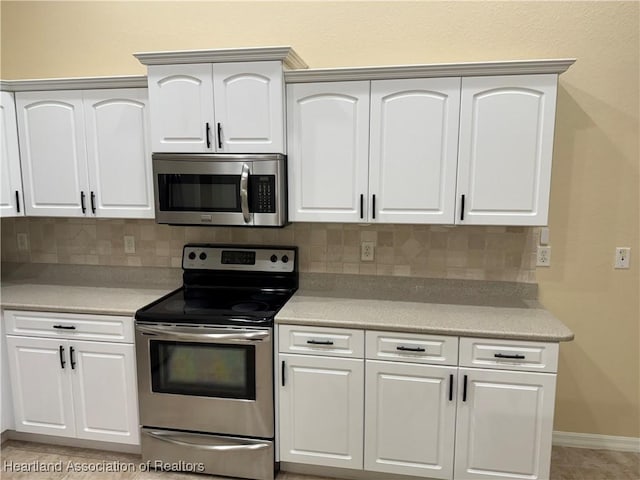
(623, 257)
(367, 250)
(129, 244)
(543, 257)
(23, 242)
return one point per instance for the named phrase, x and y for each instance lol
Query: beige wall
(594, 198)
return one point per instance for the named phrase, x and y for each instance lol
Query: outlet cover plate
(543, 257)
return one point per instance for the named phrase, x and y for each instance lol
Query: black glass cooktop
(221, 306)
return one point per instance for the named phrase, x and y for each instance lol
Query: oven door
(206, 379)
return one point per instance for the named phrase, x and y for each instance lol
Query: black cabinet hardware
(283, 370)
(62, 362)
(410, 349)
(73, 361)
(208, 135)
(93, 202)
(64, 327)
(451, 388)
(319, 342)
(515, 356)
(361, 206)
(373, 206)
(84, 209)
(219, 135)
(17, 201)
(462, 208)
(464, 389)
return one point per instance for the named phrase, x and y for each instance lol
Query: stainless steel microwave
(220, 189)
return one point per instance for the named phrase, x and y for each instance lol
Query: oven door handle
(170, 437)
(244, 193)
(205, 333)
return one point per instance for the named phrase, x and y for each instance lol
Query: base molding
(70, 442)
(601, 442)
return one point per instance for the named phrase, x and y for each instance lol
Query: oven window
(199, 193)
(203, 369)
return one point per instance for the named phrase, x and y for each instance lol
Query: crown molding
(289, 58)
(77, 83)
(511, 67)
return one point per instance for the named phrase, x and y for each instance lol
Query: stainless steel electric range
(205, 361)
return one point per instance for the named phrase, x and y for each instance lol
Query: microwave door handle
(244, 193)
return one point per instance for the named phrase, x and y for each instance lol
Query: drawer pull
(515, 356)
(402, 348)
(319, 342)
(64, 327)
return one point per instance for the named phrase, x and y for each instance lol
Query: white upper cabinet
(249, 107)
(413, 154)
(11, 203)
(328, 134)
(54, 156)
(505, 151)
(85, 153)
(118, 153)
(233, 107)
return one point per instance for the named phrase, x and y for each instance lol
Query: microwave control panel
(263, 193)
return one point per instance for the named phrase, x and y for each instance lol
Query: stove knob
(203, 256)
(192, 255)
(274, 259)
(285, 259)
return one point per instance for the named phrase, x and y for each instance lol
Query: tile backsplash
(464, 252)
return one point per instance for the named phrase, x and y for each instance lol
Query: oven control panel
(254, 259)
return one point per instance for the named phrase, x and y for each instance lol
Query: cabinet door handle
(208, 132)
(373, 206)
(464, 389)
(514, 356)
(282, 373)
(62, 362)
(73, 361)
(451, 388)
(84, 208)
(402, 348)
(17, 201)
(462, 208)
(319, 342)
(219, 135)
(64, 327)
(361, 206)
(93, 202)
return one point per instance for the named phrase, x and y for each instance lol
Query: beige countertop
(531, 322)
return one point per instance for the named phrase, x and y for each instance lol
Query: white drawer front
(336, 342)
(509, 354)
(412, 347)
(106, 328)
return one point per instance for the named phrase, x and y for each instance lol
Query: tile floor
(566, 464)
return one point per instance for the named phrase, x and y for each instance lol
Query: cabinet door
(119, 157)
(504, 424)
(328, 154)
(11, 203)
(409, 419)
(321, 410)
(414, 150)
(54, 158)
(506, 145)
(41, 384)
(6, 402)
(249, 107)
(104, 390)
(181, 98)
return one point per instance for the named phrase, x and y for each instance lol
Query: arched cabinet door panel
(11, 202)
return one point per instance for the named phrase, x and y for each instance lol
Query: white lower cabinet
(504, 424)
(72, 388)
(321, 410)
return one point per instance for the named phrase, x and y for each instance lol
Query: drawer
(106, 328)
(412, 347)
(335, 342)
(509, 354)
